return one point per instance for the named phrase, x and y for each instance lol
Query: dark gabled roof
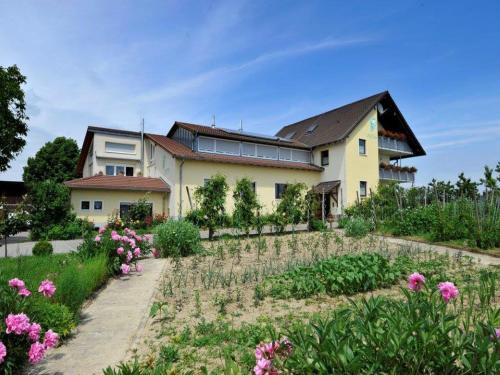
(180, 151)
(87, 141)
(335, 125)
(119, 183)
(229, 134)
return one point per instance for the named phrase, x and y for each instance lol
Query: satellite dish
(380, 108)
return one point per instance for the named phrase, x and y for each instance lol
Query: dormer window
(311, 128)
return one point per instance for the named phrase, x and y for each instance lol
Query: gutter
(180, 187)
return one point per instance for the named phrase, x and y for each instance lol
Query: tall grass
(75, 279)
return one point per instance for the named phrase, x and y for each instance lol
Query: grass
(75, 279)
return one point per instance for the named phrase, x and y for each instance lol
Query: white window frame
(97, 209)
(84, 209)
(125, 166)
(366, 189)
(119, 152)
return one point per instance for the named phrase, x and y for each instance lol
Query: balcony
(393, 146)
(389, 172)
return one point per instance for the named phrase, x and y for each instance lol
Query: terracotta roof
(178, 150)
(119, 183)
(331, 126)
(233, 134)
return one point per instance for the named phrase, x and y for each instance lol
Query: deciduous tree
(212, 198)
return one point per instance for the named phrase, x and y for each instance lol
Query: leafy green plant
(177, 238)
(357, 227)
(245, 205)
(42, 248)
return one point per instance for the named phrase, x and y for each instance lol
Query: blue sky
(111, 63)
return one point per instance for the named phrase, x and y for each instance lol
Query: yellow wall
(194, 173)
(362, 167)
(111, 202)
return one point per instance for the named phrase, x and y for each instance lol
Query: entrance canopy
(326, 187)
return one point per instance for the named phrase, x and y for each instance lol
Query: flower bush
(177, 238)
(123, 251)
(21, 338)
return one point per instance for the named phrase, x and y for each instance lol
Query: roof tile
(119, 183)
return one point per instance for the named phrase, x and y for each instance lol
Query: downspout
(180, 188)
(143, 167)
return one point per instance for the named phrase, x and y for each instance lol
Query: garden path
(109, 325)
(481, 258)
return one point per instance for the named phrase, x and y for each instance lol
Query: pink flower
(131, 243)
(50, 339)
(138, 238)
(16, 283)
(18, 323)
(125, 268)
(148, 238)
(137, 252)
(416, 281)
(129, 256)
(155, 252)
(497, 333)
(116, 237)
(3, 352)
(124, 239)
(448, 290)
(47, 288)
(36, 353)
(102, 230)
(114, 233)
(24, 292)
(139, 267)
(120, 250)
(97, 239)
(34, 331)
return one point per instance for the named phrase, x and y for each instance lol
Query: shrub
(412, 221)
(316, 225)
(55, 315)
(177, 238)
(343, 220)
(357, 227)
(73, 228)
(140, 213)
(43, 248)
(246, 205)
(197, 218)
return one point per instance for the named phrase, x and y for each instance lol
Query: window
(267, 152)
(362, 147)
(206, 144)
(152, 148)
(324, 157)
(98, 205)
(110, 170)
(120, 170)
(122, 148)
(301, 156)
(85, 205)
(129, 171)
(279, 189)
(311, 129)
(254, 187)
(227, 147)
(124, 207)
(116, 170)
(362, 189)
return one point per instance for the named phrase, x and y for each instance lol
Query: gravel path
(108, 327)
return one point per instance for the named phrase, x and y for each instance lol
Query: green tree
(212, 198)
(55, 161)
(466, 187)
(489, 182)
(246, 205)
(50, 202)
(292, 204)
(13, 118)
(12, 221)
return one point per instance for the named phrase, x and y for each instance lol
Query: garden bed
(213, 309)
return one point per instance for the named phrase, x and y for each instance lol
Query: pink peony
(125, 268)
(131, 243)
(448, 290)
(97, 238)
(3, 352)
(18, 323)
(116, 237)
(155, 252)
(24, 292)
(50, 339)
(114, 233)
(137, 252)
(102, 230)
(34, 331)
(416, 281)
(36, 353)
(139, 267)
(47, 288)
(497, 333)
(16, 283)
(120, 250)
(129, 256)
(148, 238)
